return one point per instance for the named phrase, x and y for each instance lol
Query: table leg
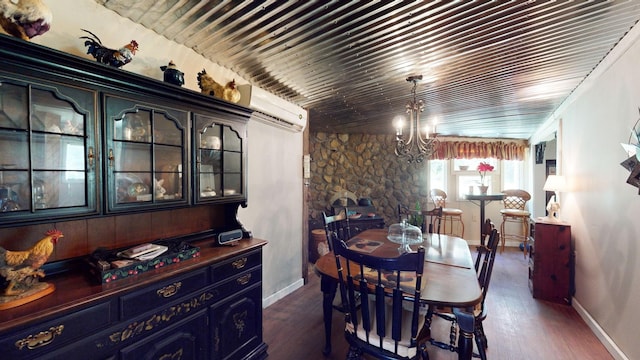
(328, 286)
(481, 222)
(465, 338)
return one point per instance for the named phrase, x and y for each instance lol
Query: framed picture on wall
(540, 147)
(550, 166)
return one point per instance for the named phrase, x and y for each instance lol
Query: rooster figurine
(24, 18)
(20, 270)
(209, 86)
(116, 58)
(231, 92)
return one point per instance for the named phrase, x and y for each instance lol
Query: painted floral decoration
(483, 168)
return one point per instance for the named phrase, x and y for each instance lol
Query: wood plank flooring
(518, 326)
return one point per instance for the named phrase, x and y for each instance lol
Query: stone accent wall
(366, 166)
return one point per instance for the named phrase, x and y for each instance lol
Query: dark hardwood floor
(518, 326)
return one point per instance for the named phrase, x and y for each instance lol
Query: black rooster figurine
(172, 75)
(116, 58)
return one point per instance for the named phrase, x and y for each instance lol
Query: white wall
(274, 211)
(601, 208)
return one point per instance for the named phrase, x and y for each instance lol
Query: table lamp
(554, 183)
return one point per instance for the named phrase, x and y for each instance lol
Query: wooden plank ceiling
(490, 68)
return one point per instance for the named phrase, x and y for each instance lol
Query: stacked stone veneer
(367, 166)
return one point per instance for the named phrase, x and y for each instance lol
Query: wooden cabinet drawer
(231, 267)
(52, 334)
(158, 295)
(239, 283)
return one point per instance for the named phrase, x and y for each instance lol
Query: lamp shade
(554, 183)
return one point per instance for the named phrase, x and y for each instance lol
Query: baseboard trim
(266, 302)
(608, 343)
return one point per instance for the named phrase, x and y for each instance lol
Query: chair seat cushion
(514, 212)
(451, 211)
(388, 343)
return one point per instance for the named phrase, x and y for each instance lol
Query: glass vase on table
(405, 235)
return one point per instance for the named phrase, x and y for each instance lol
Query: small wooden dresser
(550, 262)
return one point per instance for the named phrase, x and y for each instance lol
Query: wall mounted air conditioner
(272, 109)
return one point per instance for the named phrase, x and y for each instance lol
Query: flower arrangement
(483, 168)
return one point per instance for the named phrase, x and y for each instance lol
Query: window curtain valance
(480, 150)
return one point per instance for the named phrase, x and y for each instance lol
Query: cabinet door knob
(111, 157)
(90, 156)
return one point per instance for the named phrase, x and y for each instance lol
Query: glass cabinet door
(47, 150)
(146, 155)
(219, 158)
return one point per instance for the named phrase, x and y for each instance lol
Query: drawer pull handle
(170, 290)
(244, 279)
(240, 263)
(40, 339)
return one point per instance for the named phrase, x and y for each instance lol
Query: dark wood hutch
(114, 159)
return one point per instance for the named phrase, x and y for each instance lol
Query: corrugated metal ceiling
(491, 68)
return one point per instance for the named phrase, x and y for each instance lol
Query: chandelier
(416, 146)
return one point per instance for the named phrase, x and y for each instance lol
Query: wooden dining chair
(514, 211)
(386, 325)
(431, 219)
(338, 225)
(439, 199)
(486, 258)
(487, 229)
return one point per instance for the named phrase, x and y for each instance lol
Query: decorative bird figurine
(172, 75)
(24, 18)
(231, 92)
(19, 270)
(209, 86)
(102, 54)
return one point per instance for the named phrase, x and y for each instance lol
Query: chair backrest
(387, 322)
(403, 213)
(433, 219)
(413, 217)
(438, 197)
(515, 199)
(487, 230)
(488, 255)
(336, 227)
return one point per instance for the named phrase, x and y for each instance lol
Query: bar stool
(439, 198)
(514, 211)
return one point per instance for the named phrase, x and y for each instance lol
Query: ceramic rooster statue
(20, 270)
(116, 58)
(24, 18)
(209, 86)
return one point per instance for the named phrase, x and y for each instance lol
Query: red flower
(483, 168)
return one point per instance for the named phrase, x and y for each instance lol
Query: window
(512, 174)
(464, 176)
(438, 174)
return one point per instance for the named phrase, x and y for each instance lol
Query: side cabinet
(550, 262)
(212, 309)
(236, 321)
